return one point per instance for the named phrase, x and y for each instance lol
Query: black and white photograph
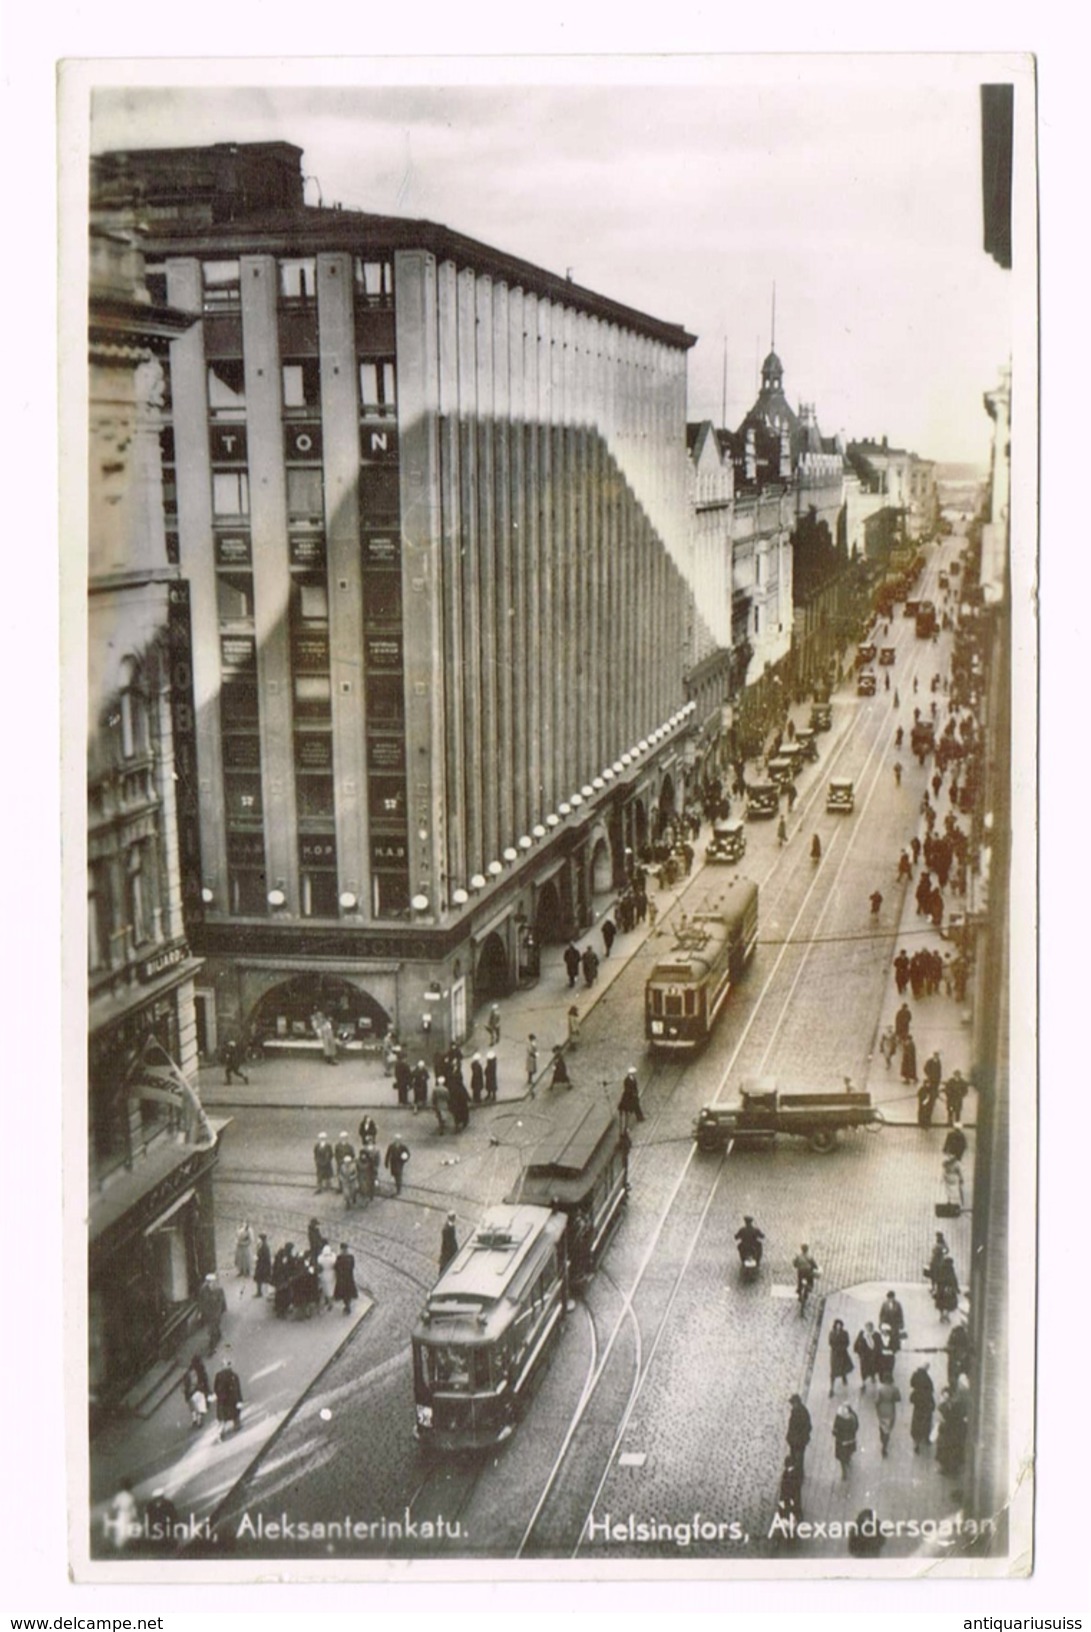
(549, 808)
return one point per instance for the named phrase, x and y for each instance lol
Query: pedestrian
(955, 1090)
(349, 1179)
(492, 1084)
(212, 1308)
(244, 1250)
(573, 1027)
(161, 1516)
(263, 1266)
(887, 1396)
(958, 1354)
(629, 1103)
(590, 964)
(344, 1278)
(782, 831)
(459, 1100)
(892, 1316)
(572, 963)
(283, 1271)
(926, 1101)
(420, 1082)
(909, 1060)
(653, 913)
(866, 1540)
(195, 1388)
(888, 1046)
(233, 1060)
(902, 1022)
(327, 1272)
(841, 1365)
(441, 1103)
(228, 1391)
(402, 1078)
(315, 1239)
(344, 1147)
(397, 1155)
(868, 1349)
(790, 1494)
(846, 1426)
(493, 1024)
(369, 1132)
(798, 1434)
(367, 1171)
(560, 1077)
(945, 1288)
(939, 1252)
(390, 1052)
(793, 795)
(956, 1143)
(448, 1242)
(953, 1187)
(876, 902)
(609, 933)
(531, 1062)
(477, 1079)
(922, 1398)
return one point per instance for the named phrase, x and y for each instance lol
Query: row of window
(297, 280)
(300, 387)
(122, 906)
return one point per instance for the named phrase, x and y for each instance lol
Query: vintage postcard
(545, 608)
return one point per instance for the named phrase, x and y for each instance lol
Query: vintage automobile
(821, 716)
(728, 842)
(865, 685)
(922, 738)
(886, 656)
(926, 620)
(780, 770)
(865, 654)
(762, 799)
(764, 1109)
(841, 795)
(807, 743)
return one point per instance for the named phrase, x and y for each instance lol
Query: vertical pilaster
(454, 732)
(471, 575)
(504, 549)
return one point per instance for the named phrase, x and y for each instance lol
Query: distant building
(151, 1149)
(431, 501)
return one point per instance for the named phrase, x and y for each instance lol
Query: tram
(488, 1326)
(580, 1169)
(687, 989)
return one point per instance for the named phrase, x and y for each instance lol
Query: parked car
(865, 685)
(807, 743)
(780, 770)
(821, 716)
(865, 654)
(841, 795)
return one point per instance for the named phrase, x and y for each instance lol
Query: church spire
(773, 323)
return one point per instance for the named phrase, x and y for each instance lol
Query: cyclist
(806, 1269)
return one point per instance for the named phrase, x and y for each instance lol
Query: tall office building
(431, 504)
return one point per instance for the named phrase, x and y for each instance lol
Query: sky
(853, 186)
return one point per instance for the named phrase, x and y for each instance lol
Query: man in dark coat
(492, 1084)
(420, 1082)
(212, 1307)
(228, 1391)
(955, 1144)
(955, 1090)
(590, 962)
(369, 1132)
(572, 963)
(892, 1315)
(922, 1398)
(233, 1058)
(609, 932)
(448, 1243)
(324, 1165)
(909, 1060)
(402, 1076)
(477, 1080)
(344, 1278)
(459, 1100)
(397, 1154)
(799, 1431)
(263, 1266)
(902, 1022)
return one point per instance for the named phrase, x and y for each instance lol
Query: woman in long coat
(195, 1387)
(952, 1182)
(868, 1347)
(922, 1397)
(840, 1358)
(946, 1288)
(327, 1260)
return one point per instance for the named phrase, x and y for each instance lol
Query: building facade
(151, 1149)
(431, 505)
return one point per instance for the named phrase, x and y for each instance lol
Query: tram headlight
(424, 1416)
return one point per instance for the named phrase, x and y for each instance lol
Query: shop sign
(307, 550)
(238, 651)
(232, 550)
(303, 442)
(384, 652)
(228, 444)
(378, 444)
(169, 958)
(381, 550)
(317, 852)
(387, 853)
(386, 753)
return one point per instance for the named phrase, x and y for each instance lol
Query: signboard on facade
(227, 444)
(317, 850)
(303, 442)
(232, 550)
(378, 443)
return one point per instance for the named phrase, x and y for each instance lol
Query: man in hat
(629, 1103)
(955, 1090)
(492, 1080)
(397, 1154)
(212, 1307)
(448, 1245)
(799, 1431)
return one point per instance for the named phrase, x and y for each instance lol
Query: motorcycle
(750, 1247)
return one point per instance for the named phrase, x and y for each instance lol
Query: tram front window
(457, 1370)
(673, 1005)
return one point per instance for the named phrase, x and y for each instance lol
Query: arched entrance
(493, 976)
(640, 826)
(285, 1010)
(547, 916)
(602, 868)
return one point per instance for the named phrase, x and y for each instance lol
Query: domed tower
(776, 429)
